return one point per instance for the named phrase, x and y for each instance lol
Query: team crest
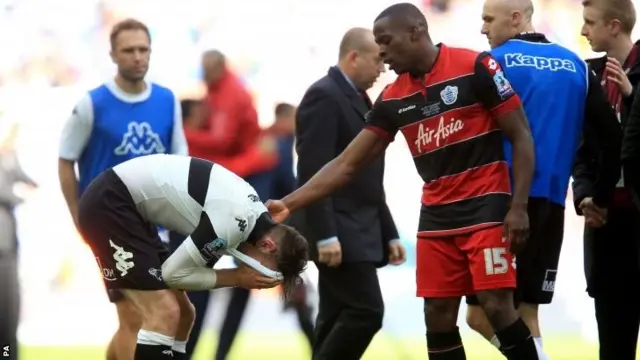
(449, 95)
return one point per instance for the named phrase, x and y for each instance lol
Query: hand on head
(278, 210)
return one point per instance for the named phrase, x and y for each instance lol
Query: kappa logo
(539, 62)
(123, 259)
(254, 198)
(140, 140)
(445, 129)
(167, 352)
(156, 273)
(242, 224)
(449, 95)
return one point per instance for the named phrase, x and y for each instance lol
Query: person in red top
(228, 132)
(453, 106)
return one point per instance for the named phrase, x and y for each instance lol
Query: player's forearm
(331, 177)
(69, 186)
(523, 165)
(226, 278)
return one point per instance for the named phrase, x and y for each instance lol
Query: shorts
(538, 263)
(460, 265)
(127, 248)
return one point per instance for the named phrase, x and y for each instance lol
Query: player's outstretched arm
(366, 147)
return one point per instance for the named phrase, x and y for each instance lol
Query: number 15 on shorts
(496, 261)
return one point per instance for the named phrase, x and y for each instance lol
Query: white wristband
(253, 263)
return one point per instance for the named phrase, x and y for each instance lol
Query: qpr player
(453, 107)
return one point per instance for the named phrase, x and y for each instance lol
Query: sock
(541, 354)
(179, 350)
(152, 345)
(445, 346)
(517, 342)
(495, 342)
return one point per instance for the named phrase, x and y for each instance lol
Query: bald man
(562, 100)
(352, 232)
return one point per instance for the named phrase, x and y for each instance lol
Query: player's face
(596, 29)
(368, 65)
(396, 45)
(497, 23)
(131, 52)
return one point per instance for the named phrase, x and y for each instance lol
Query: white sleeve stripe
(77, 130)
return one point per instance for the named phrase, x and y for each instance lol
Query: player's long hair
(293, 253)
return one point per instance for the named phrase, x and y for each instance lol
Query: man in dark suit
(353, 230)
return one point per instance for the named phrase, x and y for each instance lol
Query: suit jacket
(329, 116)
(588, 164)
(587, 161)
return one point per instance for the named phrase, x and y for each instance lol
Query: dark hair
(126, 25)
(403, 11)
(187, 106)
(293, 253)
(283, 109)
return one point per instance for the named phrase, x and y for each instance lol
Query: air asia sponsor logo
(539, 62)
(427, 135)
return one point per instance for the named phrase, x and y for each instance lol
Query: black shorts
(537, 264)
(127, 248)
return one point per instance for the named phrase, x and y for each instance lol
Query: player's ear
(268, 244)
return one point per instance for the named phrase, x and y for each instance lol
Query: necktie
(365, 97)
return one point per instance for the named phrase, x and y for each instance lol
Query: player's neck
(621, 48)
(527, 29)
(130, 87)
(428, 62)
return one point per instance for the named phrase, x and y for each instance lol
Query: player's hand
(278, 210)
(616, 74)
(250, 279)
(516, 228)
(594, 216)
(330, 254)
(397, 253)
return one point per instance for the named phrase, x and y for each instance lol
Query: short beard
(132, 78)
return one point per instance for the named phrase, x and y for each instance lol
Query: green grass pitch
(384, 347)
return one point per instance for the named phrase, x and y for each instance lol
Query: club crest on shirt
(449, 95)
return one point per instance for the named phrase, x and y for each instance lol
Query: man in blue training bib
(124, 118)
(564, 104)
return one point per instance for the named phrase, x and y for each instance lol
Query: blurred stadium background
(53, 51)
